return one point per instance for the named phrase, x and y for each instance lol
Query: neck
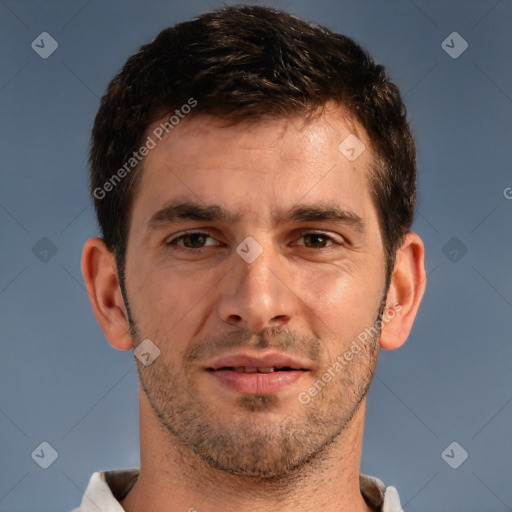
(172, 477)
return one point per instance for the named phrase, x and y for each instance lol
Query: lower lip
(257, 383)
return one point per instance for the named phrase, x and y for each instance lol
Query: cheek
(155, 297)
(339, 300)
(167, 298)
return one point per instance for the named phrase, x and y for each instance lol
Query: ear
(100, 273)
(405, 292)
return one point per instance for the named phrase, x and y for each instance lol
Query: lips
(257, 374)
(248, 369)
(266, 363)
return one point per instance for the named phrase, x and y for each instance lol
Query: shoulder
(106, 489)
(378, 496)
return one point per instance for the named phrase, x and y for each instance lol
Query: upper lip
(274, 359)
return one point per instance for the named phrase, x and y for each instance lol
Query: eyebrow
(190, 210)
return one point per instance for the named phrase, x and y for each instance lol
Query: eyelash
(172, 241)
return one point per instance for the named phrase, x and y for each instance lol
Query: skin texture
(308, 295)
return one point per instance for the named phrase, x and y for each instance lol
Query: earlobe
(408, 283)
(100, 274)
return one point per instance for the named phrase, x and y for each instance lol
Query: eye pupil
(317, 237)
(194, 236)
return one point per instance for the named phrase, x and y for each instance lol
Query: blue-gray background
(62, 383)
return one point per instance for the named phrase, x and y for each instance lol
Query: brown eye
(317, 240)
(320, 240)
(193, 240)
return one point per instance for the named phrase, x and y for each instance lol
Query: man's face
(251, 310)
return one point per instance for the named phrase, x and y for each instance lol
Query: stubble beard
(249, 444)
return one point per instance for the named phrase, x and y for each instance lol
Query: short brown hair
(251, 63)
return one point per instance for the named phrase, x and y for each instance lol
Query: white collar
(107, 488)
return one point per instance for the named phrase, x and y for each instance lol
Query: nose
(257, 295)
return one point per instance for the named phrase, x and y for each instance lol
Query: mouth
(251, 374)
(253, 369)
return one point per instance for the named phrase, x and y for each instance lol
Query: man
(254, 179)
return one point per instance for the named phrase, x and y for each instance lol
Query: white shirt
(107, 488)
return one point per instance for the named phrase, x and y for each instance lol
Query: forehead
(259, 167)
